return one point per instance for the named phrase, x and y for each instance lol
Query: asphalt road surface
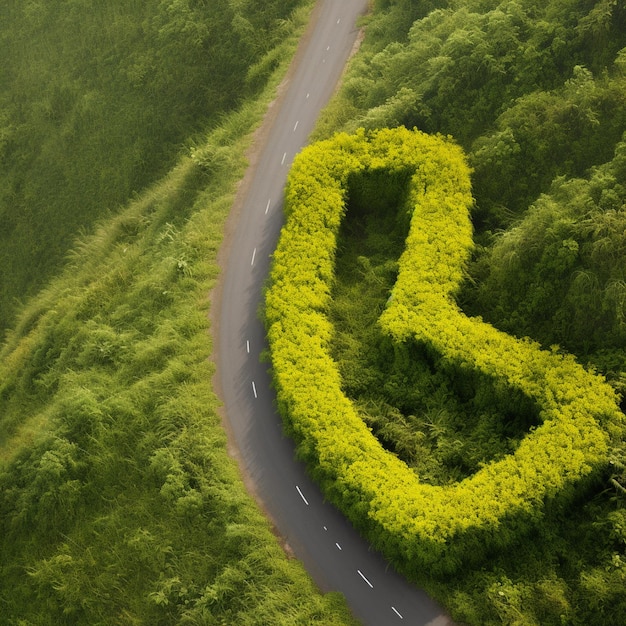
(336, 557)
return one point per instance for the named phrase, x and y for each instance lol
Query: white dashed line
(248, 346)
(302, 496)
(339, 20)
(393, 608)
(296, 126)
(283, 159)
(327, 48)
(338, 546)
(254, 389)
(253, 255)
(267, 208)
(307, 96)
(325, 528)
(365, 579)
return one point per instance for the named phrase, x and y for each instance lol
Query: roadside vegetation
(421, 527)
(534, 94)
(118, 501)
(99, 99)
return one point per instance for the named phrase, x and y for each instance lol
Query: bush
(417, 525)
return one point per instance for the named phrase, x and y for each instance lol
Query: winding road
(336, 557)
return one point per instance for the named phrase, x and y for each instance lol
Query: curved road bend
(337, 558)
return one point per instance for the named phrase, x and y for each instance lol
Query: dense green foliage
(419, 526)
(560, 273)
(96, 99)
(118, 501)
(534, 93)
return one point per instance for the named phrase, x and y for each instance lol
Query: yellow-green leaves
(418, 525)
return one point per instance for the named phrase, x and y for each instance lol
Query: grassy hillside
(118, 501)
(534, 93)
(96, 100)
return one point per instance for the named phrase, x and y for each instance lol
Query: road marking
(302, 496)
(267, 208)
(325, 528)
(365, 579)
(253, 255)
(339, 20)
(254, 389)
(283, 160)
(307, 96)
(327, 48)
(338, 546)
(296, 126)
(248, 346)
(393, 608)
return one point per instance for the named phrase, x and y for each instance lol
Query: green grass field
(119, 502)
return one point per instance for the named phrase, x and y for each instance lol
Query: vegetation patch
(534, 94)
(119, 502)
(97, 102)
(416, 524)
(443, 421)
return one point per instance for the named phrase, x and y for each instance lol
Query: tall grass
(119, 503)
(96, 100)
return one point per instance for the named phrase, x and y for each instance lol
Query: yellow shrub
(415, 524)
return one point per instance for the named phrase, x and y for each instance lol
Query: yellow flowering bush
(418, 525)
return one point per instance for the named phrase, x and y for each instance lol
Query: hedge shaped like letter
(414, 524)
